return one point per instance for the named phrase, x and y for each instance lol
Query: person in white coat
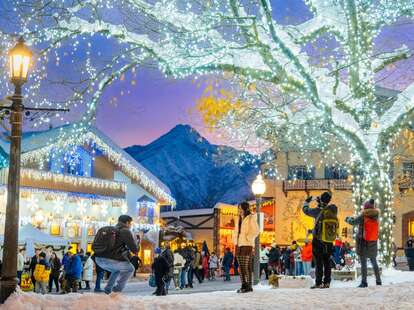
(87, 275)
(179, 263)
(20, 264)
(246, 231)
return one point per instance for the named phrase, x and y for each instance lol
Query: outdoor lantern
(19, 60)
(259, 186)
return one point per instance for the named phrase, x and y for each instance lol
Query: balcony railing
(317, 184)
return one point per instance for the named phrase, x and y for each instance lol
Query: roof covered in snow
(43, 142)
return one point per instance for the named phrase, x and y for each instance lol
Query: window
(301, 173)
(408, 169)
(336, 173)
(411, 227)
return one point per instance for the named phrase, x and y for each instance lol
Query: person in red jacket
(307, 257)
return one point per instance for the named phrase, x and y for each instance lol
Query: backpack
(328, 225)
(105, 240)
(371, 229)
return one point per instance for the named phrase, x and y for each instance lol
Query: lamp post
(20, 58)
(258, 189)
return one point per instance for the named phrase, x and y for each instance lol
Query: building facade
(71, 188)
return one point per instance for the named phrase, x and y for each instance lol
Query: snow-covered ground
(396, 293)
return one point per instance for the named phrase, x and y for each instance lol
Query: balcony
(316, 184)
(67, 183)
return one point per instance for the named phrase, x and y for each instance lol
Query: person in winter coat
(136, 262)
(264, 261)
(197, 267)
(274, 259)
(169, 257)
(205, 265)
(307, 257)
(116, 261)
(33, 262)
(73, 272)
(297, 254)
(366, 246)
(55, 266)
(227, 262)
(246, 231)
(410, 242)
(322, 251)
(179, 263)
(213, 265)
(87, 274)
(189, 257)
(41, 274)
(161, 269)
(20, 265)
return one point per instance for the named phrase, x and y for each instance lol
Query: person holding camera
(367, 239)
(112, 246)
(324, 233)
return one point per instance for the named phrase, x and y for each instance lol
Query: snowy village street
(396, 293)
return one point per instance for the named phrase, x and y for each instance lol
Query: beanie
(157, 251)
(369, 204)
(326, 197)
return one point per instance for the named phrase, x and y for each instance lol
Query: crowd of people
(74, 270)
(116, 255)
(186, 264)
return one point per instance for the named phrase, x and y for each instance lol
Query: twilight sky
(156, 104)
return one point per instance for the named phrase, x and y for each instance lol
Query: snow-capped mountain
(198, 173)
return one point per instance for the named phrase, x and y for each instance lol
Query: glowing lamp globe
(259, 186)
(20, 57)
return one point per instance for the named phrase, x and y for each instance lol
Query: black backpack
(105, 240)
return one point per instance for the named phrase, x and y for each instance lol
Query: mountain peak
(198, 173)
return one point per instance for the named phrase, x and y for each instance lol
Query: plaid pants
(244, 258)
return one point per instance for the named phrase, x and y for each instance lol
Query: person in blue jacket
(73, 272)
(227, 262)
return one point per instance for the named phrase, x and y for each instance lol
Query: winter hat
(326, 197)
(42, 254)
(369, 204)
(157, 251)
(245, 206)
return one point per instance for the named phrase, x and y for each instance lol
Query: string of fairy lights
(327, 65)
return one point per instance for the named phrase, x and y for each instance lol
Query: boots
(317, 286)
(363, 285)
(244, 289)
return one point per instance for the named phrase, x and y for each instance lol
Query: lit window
(336, 173)
(301, 173)
(408, 169)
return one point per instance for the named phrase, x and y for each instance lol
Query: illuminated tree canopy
(291, 94)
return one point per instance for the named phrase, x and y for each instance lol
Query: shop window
(336, 173)
(147, 257)
(301, 173)
(411, 227)
(74, 246)
(91, 231)
(55, 230)
(408, 169)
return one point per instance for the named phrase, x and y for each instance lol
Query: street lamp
(258, 189)
(19, 60)
(19, 65)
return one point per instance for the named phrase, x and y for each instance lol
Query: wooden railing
(317, 184)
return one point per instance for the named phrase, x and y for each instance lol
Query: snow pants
(322, 253)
